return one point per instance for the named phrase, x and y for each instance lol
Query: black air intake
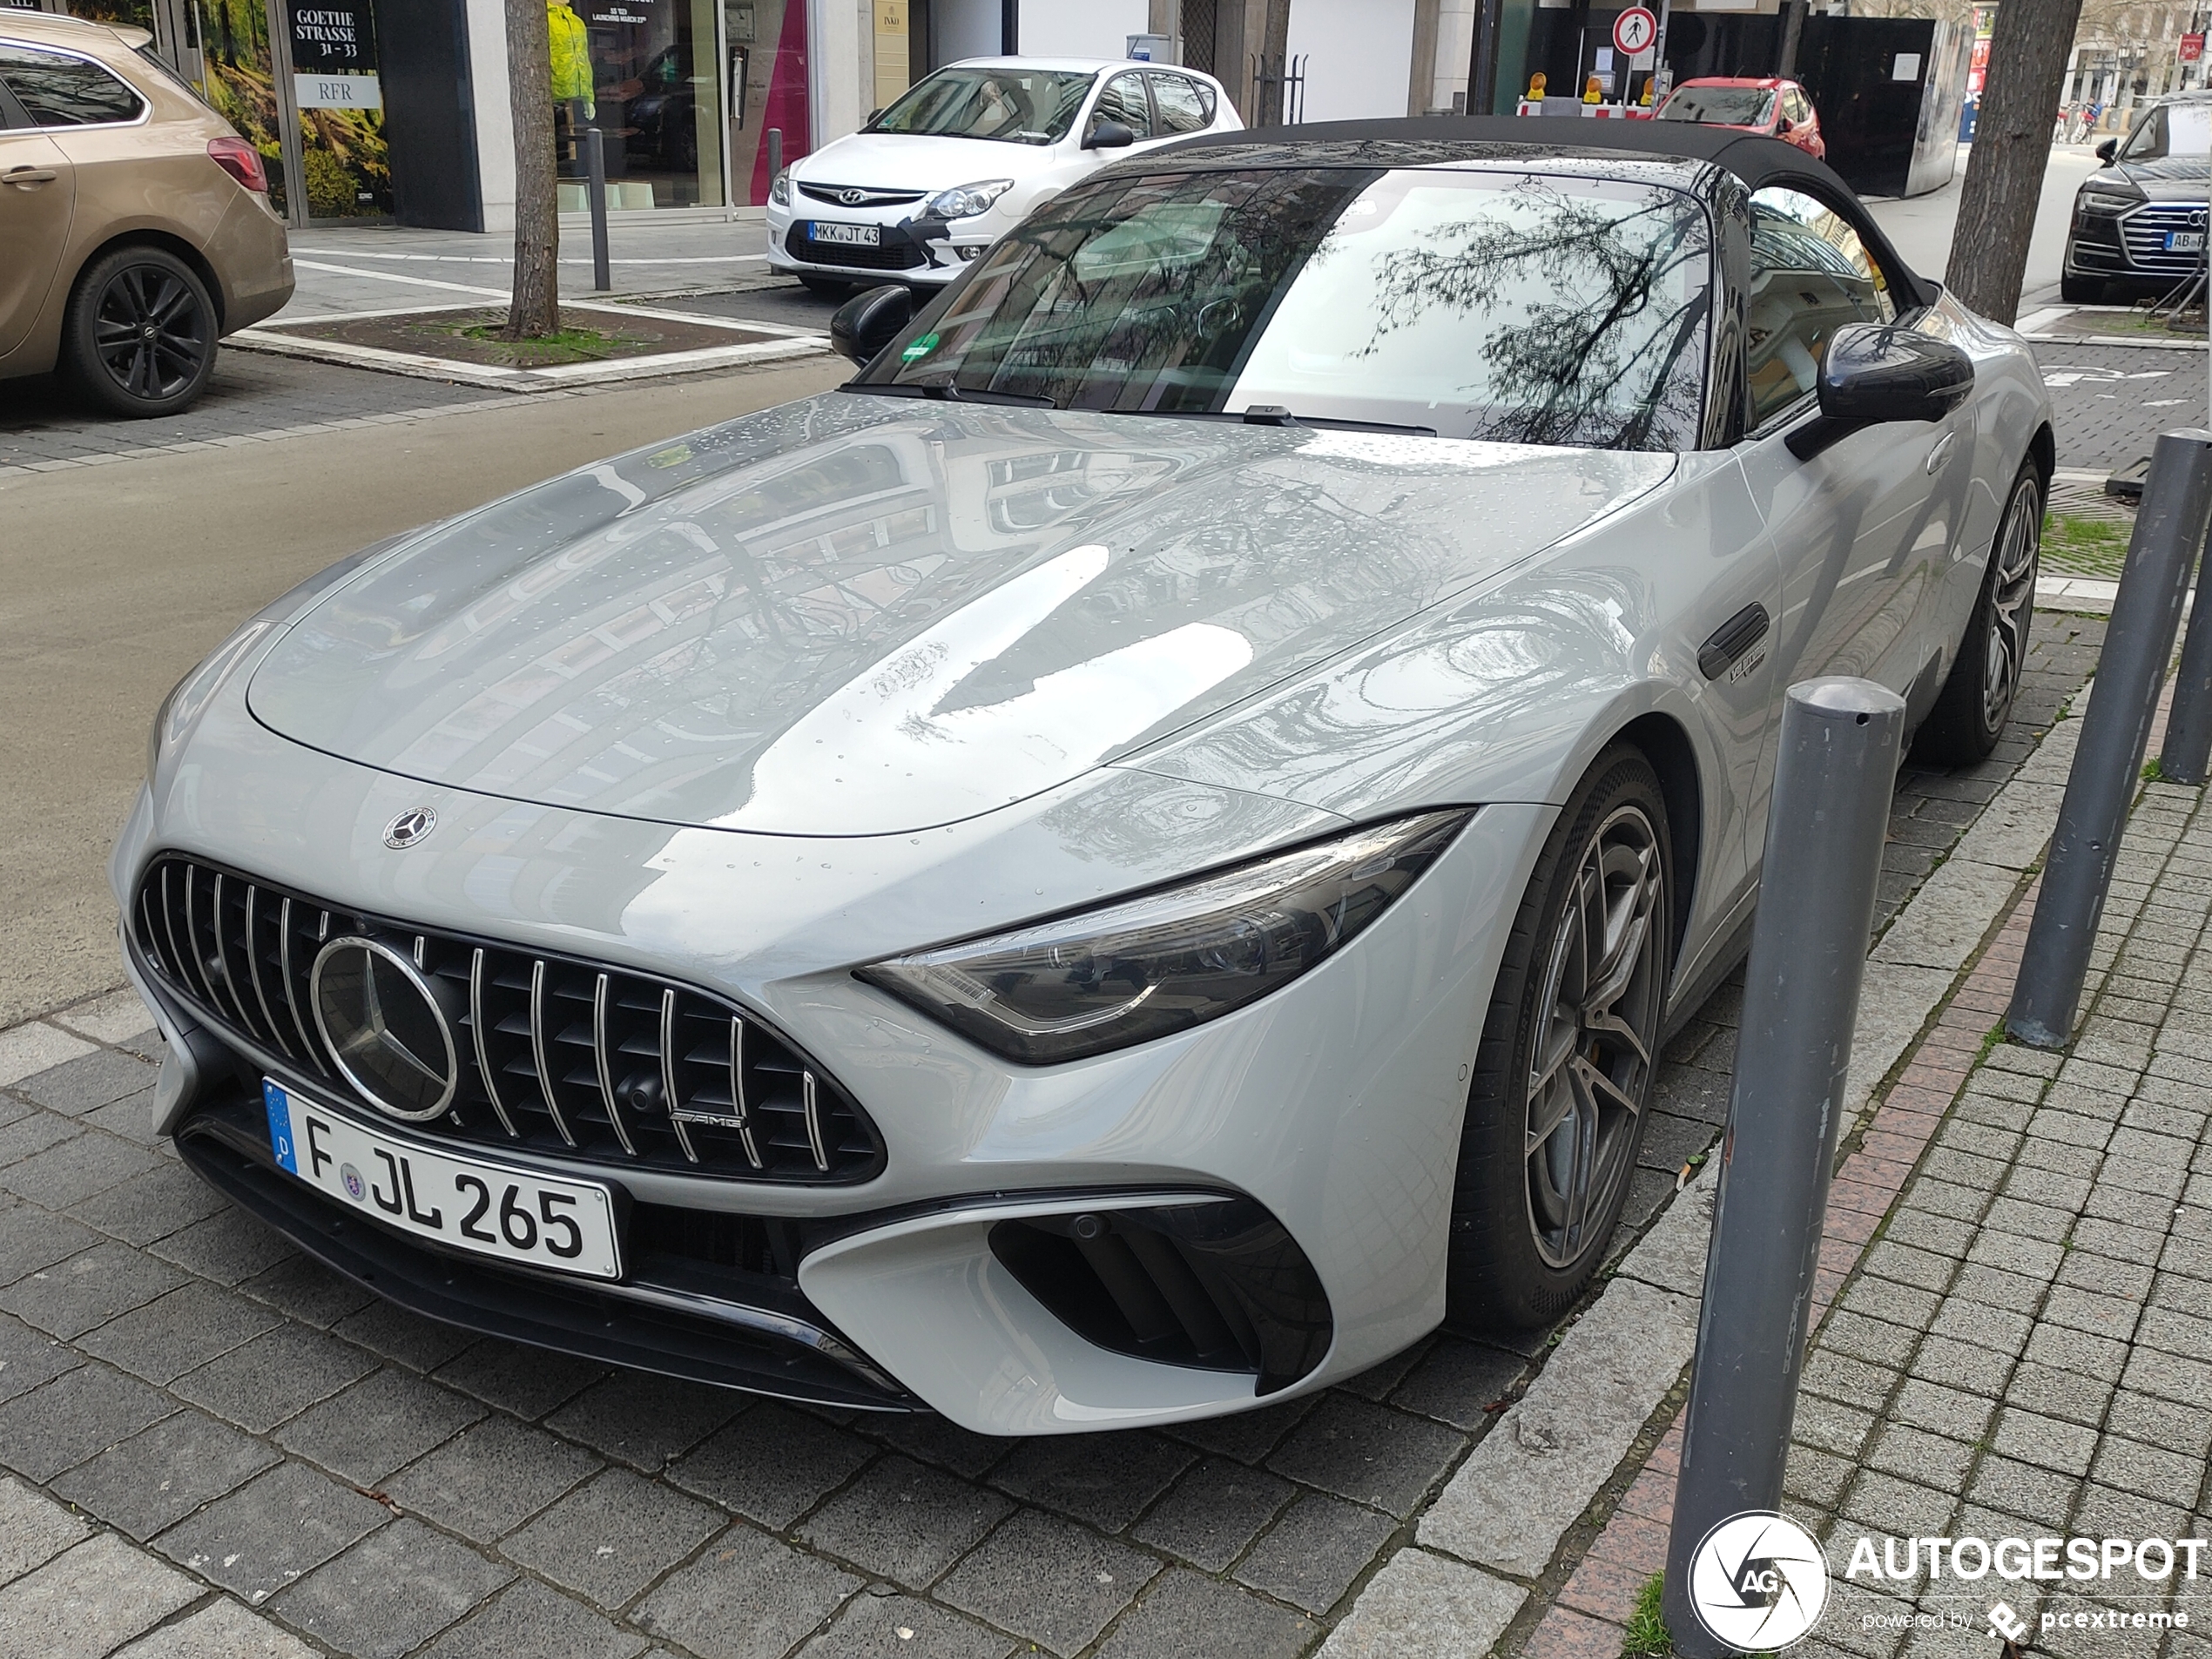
(1214, 1286)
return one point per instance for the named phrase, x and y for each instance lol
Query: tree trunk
(1274, 49)
(2012, 147)
(534, 311)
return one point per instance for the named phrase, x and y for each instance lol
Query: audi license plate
(516, 1215)
(850, 235)
(2185, 241)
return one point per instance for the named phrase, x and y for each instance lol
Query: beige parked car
(135, 222)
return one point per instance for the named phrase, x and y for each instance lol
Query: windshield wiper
(941, 393)
(1276, 415)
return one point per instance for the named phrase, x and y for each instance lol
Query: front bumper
(924, 252)
(1331, 1107)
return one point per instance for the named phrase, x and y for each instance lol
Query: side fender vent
(1216, 1286)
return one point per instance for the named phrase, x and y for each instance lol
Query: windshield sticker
(919, 349)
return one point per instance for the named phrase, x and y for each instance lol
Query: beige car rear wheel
(139, 336)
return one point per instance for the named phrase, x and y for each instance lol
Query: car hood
(860, 615)
(917, 161)
(2169, 179)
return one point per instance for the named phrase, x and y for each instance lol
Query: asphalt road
(115, 580)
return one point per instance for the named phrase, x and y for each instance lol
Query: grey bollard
(2170, 529)
(594, 157)
(775, 152)
(1840, 745)
(2188, 725)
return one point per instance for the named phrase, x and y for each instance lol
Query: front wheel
(1976, 699)
(139, 338)
(1555, 1106)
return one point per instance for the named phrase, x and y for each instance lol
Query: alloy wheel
(2012, 599)
(151, 332)
(1592, 1054)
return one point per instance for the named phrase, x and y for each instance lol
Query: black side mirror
(1110, 134)
(866, 324)
(1782, 126)
(871, 115)
(2108, 150)
(1874, 374)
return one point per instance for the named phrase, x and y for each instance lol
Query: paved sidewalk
(2016, 1286)
(257, 1443)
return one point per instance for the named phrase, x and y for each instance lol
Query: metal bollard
(1829, 817)
(2170, 529)
(2188, 723)
(775, 152)
(595, 160)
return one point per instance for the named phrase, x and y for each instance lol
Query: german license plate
(2185, 241)
(514, 1215)
(849, 235)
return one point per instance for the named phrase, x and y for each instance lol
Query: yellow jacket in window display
(571, 54)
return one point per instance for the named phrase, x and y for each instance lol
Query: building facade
(401, 110)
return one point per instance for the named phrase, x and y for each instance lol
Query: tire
(139, 338)
(1977, 698)
(1529, 1225)
(828, 287)
(2082, 291)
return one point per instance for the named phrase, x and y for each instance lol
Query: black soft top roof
(1429, 140)
(1758, 161)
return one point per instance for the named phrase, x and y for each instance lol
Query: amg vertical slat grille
(561, 1057)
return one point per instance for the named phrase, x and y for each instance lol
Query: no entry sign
(1634, 30)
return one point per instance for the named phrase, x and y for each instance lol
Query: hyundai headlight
(780, 189)
(1164, 961)
(965, 201)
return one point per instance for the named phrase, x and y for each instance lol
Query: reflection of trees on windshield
(1608, 309)
(1519, 309)
(1142, 296)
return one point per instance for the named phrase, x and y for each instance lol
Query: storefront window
(345, 170)
(646, 73)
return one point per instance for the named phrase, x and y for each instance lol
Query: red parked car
(1777, 109)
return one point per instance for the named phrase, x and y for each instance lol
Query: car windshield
(1517, 307)
(2171, 130)
(1727, 106)
(1013, 106)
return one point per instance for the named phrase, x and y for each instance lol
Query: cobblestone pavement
(2109, 403)
(2026, 1348)
(251, 394)
(213, 1438)
(2016, 1280)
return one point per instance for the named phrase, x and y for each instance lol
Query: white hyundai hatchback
(932, 181)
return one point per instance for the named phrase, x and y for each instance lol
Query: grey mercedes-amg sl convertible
(1129, 860)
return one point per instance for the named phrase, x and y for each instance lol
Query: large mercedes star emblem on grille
(386, 1027)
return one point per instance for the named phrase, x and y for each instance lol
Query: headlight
(965, 201)
(780, 189)
(1167, 960)
(2101, 201)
